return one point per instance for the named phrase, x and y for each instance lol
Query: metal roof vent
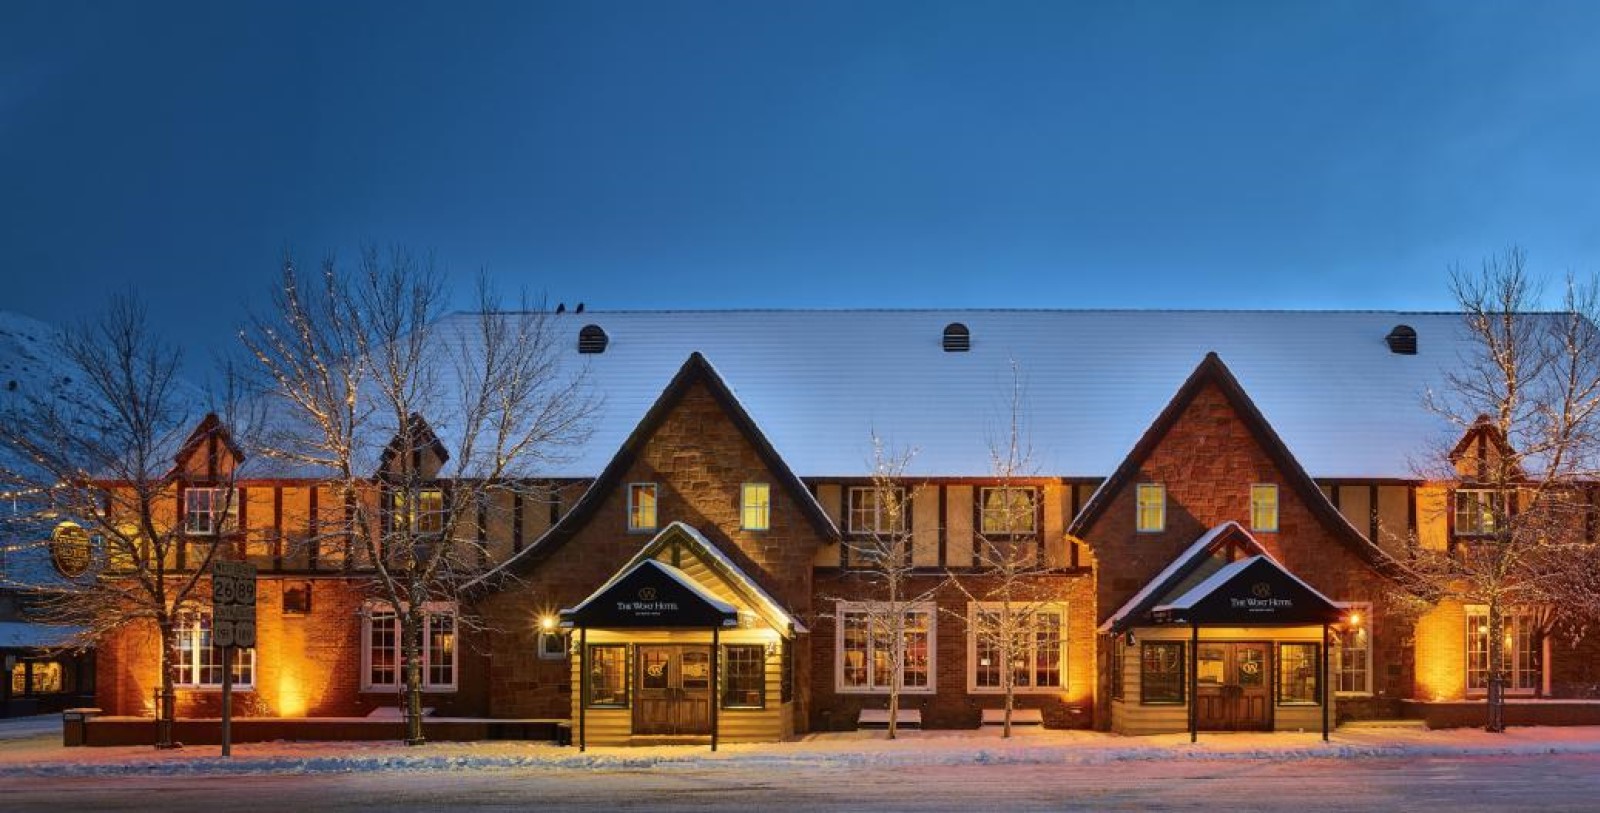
(957, 339)
(591, 339)
(1402, 340)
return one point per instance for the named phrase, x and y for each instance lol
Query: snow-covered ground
(40, 754)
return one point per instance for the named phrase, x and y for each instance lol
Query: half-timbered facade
(1216, 500)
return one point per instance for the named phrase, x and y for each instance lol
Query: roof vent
(1402, 340)
(591, 339)
(957, 339)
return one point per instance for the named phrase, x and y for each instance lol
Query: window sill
(1016, 690)
(210, 689)
(394, 689)
(859, 690)
(1352, 694)
(1298, 704)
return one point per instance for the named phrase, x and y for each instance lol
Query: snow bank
(921, 749)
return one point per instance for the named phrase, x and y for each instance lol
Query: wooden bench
(879, 718)
(1018, 717)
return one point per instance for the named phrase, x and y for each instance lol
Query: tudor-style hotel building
(1214, 499)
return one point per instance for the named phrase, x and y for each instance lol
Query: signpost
(233, 626)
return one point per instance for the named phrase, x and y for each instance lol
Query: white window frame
(428, 685)
(214, 524)
(1468, 614)
(1032, 530)
(191, 628)
(546, 653)
(974, 607)
(1364, 609)
(1139, 490)
(746, 506)
(868, 608)
(655, 509)
(879, 515)
(1256, 507)
(1497, 513)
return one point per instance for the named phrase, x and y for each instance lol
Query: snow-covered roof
(662, 568)
(25, 635)
(820, 382)
(1165, 579)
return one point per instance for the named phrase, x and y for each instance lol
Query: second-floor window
(208, 510)
(423, 514)
(1150, 508)
(755, 506)
(1008, 511)
(1264, 507)
(1479, 511)
(642, 506)
(877, 510)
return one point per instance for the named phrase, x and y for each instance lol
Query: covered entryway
(681, 646)
(674, 691)
(1233, 693)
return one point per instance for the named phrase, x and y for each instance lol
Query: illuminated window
(877, 510)
(208, 511)
(642, 507)
(1264, 507)
(1479, 511)
(1150, 510)
(200, 662)
(1008, 511)
(1522, 648)
(1297, 673)
(1161, 673)
(744, 676)
(383, 660)
(1119, 653)
(423, 515)
(30, 678)
(1353, 648)
(865, 648)
(755, 506)
(1035, 643)
(608, 676)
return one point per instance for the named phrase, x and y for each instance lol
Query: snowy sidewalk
(43, 756)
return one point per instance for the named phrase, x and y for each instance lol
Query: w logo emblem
(647, 594)
(1261, 590)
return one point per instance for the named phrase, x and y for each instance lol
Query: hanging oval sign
(69, 550)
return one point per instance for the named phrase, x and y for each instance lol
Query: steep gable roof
(211, 429)
(1213, 548)
(695, 370)
(1212, 371)
(423, 438)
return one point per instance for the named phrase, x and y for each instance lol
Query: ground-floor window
(200, 661)
(1353, 650)
(1119, 651)
(1161, 672)
(608, 676)
(37, 677)
(1298, 670)
(382, 650)
(865, 647)
(1032, 639)
(744, 676)
(1523, 650)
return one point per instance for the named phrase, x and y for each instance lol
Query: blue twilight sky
(798, 154)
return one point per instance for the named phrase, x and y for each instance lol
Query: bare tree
(100, 457)
(1526, 397)
(878, 556)
(421, 425)
(1010, 588)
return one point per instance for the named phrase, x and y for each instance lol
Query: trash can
(563, 734)
(75, 726)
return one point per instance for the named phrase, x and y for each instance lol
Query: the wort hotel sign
(233, 604)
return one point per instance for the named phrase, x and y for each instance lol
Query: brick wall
(953, 705)
(699, 458)
(1207, 461)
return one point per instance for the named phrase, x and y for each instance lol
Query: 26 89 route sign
(233, 604)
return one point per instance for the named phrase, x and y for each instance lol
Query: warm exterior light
(1355, 620)
(547, 623)
(291, 697)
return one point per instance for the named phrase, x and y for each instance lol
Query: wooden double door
(1235, 687)
(674, 690)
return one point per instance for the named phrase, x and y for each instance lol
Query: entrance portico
(1224, 639)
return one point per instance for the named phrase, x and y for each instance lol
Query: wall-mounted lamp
(773, 648)
(547, 623)
(1128, 639)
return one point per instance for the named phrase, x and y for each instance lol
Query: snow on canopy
(820, 382)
